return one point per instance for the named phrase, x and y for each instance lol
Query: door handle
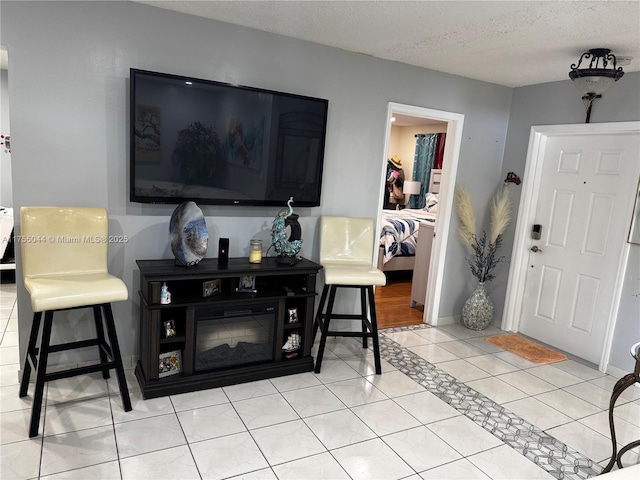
(535, 249)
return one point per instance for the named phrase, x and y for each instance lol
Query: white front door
(585, 187)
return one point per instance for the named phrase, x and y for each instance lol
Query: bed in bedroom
(400, 228)
(399, 237)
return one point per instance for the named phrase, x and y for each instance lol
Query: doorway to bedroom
(420, 162)
(7, 255)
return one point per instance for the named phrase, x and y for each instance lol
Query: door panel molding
(525, 218)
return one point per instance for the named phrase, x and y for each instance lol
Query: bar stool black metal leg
(374, 330)
(624, 450)
(325, 328)
(115, 353)
(318, 319)
(43, 355)
(363, 312)
(620, 386)
(32, 352)
(97, 317)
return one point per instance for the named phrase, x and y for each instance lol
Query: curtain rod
(425, 134)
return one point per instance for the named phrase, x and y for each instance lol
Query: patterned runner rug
(526, 349)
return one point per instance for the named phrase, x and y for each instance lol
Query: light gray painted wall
(627, 331)
(69, 116)
(559, 103)
(6, 191)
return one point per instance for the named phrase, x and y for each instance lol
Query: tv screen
(221, 144)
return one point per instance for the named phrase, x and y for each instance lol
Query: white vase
(477, 312)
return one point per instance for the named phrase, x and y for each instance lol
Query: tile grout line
(542, 449)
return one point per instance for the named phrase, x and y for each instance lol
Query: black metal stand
(622, 384)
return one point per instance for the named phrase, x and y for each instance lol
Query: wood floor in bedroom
(393, 300)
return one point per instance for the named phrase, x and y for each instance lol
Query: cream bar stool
(346, 255)
(64, 266)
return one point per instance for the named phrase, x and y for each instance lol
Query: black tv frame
(133, 197)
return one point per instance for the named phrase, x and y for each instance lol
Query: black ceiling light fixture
(596, 77)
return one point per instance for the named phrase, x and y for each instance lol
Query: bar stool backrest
(63, 240)
(346, 240)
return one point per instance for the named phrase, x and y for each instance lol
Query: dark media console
(226, 324)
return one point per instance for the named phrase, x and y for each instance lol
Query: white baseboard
(615, 371)
(448, 320)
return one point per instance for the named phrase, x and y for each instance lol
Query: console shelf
(229, 337)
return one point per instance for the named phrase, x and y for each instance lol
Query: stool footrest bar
(344, 316)
(349, 334)
(61, 347)
(72, 372)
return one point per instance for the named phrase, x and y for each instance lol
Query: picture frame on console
(170, 363)
(169, 329)
(210, 288)
(247, 284)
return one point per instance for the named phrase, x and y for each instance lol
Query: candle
(255, 251)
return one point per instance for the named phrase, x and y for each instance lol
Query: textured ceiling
(512, 43)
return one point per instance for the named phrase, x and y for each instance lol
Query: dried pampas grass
(485, 258)
(467, 228)
(500, 213)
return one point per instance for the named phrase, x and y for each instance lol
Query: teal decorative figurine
(286, 248)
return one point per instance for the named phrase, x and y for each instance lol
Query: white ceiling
(512, 43)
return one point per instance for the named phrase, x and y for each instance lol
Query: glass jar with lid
(255, 251)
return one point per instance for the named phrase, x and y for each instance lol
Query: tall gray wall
(69, 69)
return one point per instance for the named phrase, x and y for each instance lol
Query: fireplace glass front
(236, 336)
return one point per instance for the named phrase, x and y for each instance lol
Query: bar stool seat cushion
(54, 292)
(352, 274)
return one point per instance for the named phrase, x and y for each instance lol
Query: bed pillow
(431, 204)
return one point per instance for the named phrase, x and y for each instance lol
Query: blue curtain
(422, 165)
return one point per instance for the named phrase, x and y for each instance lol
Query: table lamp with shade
(411, 187)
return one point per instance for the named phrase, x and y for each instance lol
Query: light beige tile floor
(345, 422)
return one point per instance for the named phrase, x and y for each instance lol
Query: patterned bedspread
(399, 234)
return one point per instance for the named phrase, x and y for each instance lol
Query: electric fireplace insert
(234, 336)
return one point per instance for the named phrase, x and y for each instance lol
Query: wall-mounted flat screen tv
(220, 144)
